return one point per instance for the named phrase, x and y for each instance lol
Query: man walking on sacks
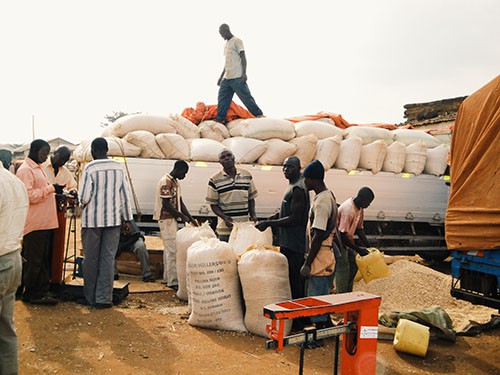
(234, 77)
(105, 197)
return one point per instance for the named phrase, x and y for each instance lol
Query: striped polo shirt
(105, 194)
(231, 195)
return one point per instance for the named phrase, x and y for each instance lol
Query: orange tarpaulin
(473, 215)
(204, 112)
(339, 121)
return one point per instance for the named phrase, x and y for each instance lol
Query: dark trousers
(227, 89)
(36, 277)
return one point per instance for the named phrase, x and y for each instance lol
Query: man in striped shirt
(231, 194)
(105, 197)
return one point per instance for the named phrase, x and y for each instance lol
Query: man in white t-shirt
(234, 77)
(350, 222)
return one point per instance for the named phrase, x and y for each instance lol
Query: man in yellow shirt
(57, 172)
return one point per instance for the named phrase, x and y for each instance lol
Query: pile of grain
(412, 286)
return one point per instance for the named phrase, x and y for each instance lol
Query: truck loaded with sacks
(404, 167)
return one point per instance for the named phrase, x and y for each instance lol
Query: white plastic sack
(369, 134)
(244, 234)
(327, 151)
(416, 155)
(320, 129)
(82, 152)
(205, 149)
(277, 151)
(174, 146)
(306, 148)
(235, 127)
(436, 160)
(215, 294)
(108, 131)
(264, 280)
(184, 239)
(267, 128)
(245, 150)
(349, 154)
(395, 158)
(185, 127)
(410, 136)
(213, 130)
(152, 123)
(147, 142)
(373, 155)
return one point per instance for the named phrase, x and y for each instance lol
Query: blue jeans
(227, 89)
(319, 286)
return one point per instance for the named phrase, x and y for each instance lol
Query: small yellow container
(372, 266)
(411, 337)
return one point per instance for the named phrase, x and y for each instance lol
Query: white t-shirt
(232, 67)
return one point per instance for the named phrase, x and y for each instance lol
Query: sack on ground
(245, 150)
(373, 155)
(205, 149)
(306, 148)
(436, 160)
(155, 124)
(147, 142)
(369, 134)
(416, 155)
(267, 128)
(277, 151)
(213, 130)
(244, 234)
(184, 239)
(349, 154)
(395, 158)
(174, 146)
(215, 295)
(327, 151)
(264, 280)
(320, 129)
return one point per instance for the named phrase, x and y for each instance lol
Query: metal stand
(71, 237)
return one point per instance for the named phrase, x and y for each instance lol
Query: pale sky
(69, 63)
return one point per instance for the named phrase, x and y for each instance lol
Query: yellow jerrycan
(372, 266)
(411, 337)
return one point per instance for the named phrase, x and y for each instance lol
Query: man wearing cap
(231, 194)
(350, 222)
(319, 265)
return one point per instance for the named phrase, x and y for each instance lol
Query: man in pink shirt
(350, 222)
(40, 222)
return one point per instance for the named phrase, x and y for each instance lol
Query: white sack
(244, 234)
(174, 146)
(108, 131)
(205, 149)
(410, 136)
(152, 123)
(116, 147)
(235, 127)
(277, 151)
(215, 294)
(349, 154)
(267, 128)
(184, 239)
(245, 150)
(373, 155)
(264, 280)
(436, 162)
(147, 142)
(395, 158)
(213, 130)
(185, 127)
(369, 134)
(82, 152)
(320, 129)
(306, 148)
(327, 151)
(416, 155)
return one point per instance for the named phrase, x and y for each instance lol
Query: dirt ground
(148, 333)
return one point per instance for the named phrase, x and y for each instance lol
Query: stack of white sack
(269, 141)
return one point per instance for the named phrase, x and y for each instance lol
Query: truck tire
(437, 256)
